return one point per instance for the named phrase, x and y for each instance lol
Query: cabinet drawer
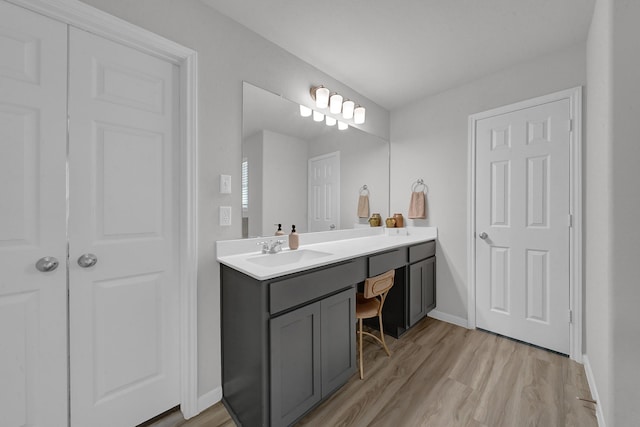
(300, 289)
(379, 264)
(422, 251)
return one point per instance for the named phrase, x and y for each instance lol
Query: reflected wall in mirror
(302, 172)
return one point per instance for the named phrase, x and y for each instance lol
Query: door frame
(574, 96)
(88, 18)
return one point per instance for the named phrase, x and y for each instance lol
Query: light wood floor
(442, 375)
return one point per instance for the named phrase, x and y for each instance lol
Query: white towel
(417, 206)
(363, 206)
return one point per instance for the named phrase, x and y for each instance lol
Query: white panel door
(324, 192)
(124, 350)
(522, 229)
(33, 304)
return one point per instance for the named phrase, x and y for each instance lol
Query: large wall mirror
(302, 172)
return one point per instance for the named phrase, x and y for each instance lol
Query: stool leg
(360, 345)
(384, 344)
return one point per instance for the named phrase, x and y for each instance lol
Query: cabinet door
(417, 311)
(295, 364)
(429, 277)
(338, 341)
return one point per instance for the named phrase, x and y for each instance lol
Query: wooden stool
(369, 304)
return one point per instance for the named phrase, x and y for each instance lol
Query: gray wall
(597, 204)
(429, 140)
(612, 236)
(228, 54)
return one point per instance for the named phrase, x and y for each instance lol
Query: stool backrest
(378, 285)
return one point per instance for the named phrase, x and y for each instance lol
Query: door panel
(33, 304)
(522, 204)
(123, 208)
(324, 192)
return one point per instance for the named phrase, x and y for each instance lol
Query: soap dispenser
(294, 238)
(279, 231)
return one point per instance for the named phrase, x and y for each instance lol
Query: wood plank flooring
(443, 375)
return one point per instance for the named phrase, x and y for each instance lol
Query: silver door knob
(47, 263)
(483, 235)
(332, 227)
(87, 260)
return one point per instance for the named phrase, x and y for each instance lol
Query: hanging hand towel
(418, 206)
(363, 206)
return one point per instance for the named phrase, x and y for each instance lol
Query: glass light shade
(331, 121)
(347, 109)
(305, 111)
(322, 97)
(318, 116)
(335, 103)
(358, 115)
(342, 125)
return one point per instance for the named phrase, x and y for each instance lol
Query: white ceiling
(397, 51)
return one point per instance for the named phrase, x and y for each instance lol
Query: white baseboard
(449, 318)
(594, 391)
(209, 399)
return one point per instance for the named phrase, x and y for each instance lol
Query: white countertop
(340, 245)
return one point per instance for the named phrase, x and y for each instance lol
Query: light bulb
(318, 116)
(330, 121)
(335, 103)
(322, 97)
(305, 111)
(342, 125)
(347, 109)
(358, 115)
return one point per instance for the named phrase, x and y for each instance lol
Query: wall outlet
(225, 184)
(225, 215)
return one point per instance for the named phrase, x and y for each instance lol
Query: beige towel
(363, 206)
(418, 206)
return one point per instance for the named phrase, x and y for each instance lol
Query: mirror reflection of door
(324, 192)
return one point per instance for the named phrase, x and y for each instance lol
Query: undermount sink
(286, 257)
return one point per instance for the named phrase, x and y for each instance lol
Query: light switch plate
(225, 184)
(225, 215)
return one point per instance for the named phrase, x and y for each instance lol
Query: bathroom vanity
(288, 319)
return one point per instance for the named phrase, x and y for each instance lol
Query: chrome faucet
(276, 246)
(271, 247)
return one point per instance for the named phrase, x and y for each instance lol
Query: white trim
(574, 96)
(209, 399)
(88, 18)
(591, 380)
(449, 318)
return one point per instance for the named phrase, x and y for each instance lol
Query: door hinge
(570, 125)
(570, 220)
(570, 316)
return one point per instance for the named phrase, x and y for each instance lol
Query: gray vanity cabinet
(422, 289)
(421, 281)
(312, 354)
(295, 364)
(287, 342)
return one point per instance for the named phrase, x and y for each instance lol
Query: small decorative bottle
(294, 238)
(279, 231)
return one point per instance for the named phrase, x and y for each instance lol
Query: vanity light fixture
(305, 111)
(358, 115)
(321, 95)
(335, 103)
(347, 109)
(318, 116)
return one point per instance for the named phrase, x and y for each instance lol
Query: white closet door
(33, 304)
(123, 153)
(324, 192)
